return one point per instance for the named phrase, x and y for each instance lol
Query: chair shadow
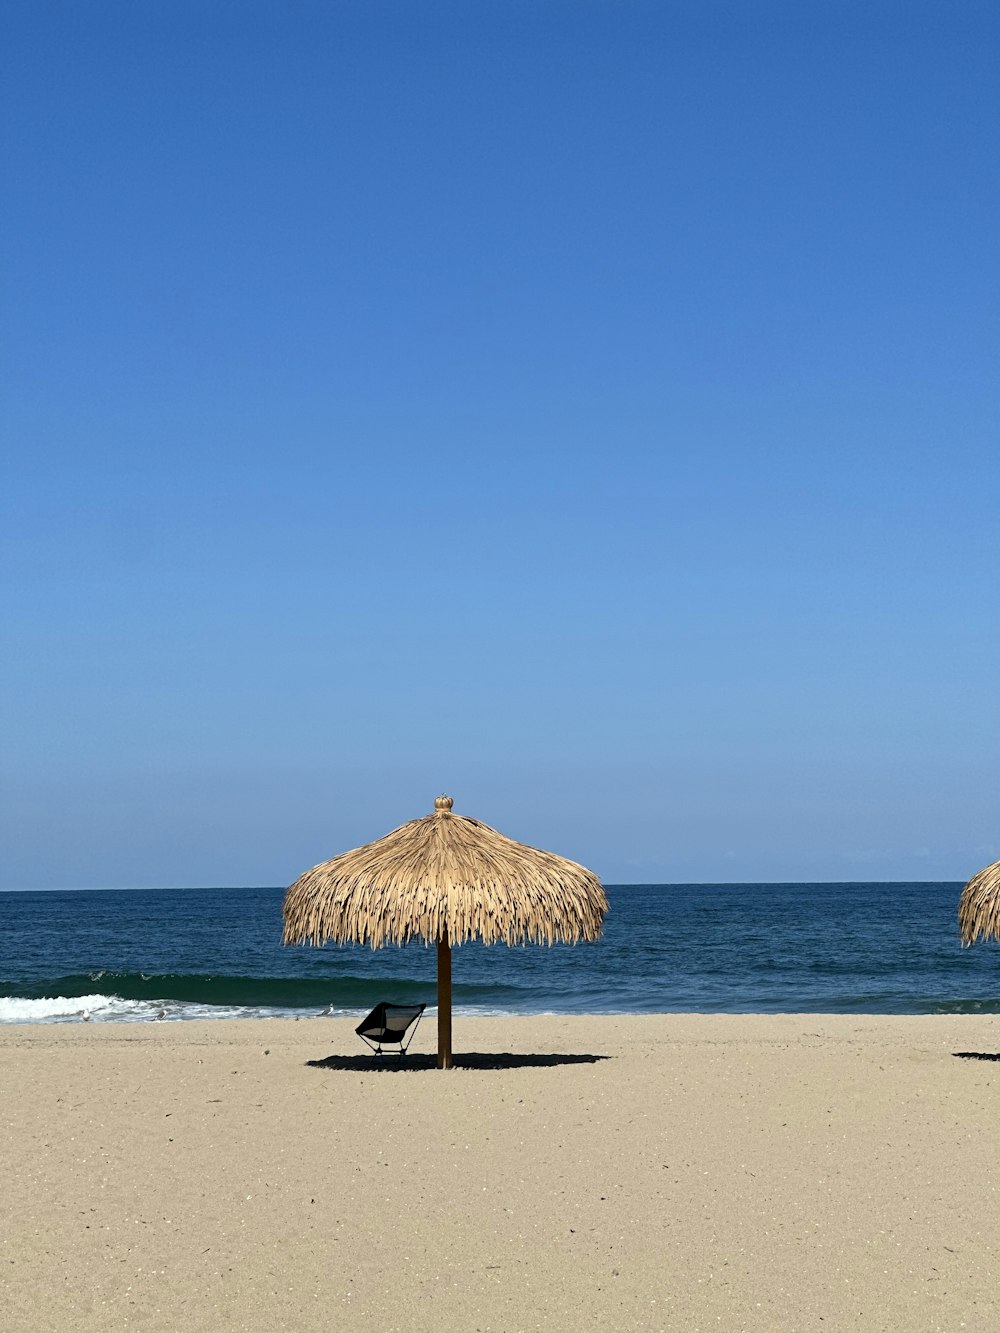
(976, 1055)
(464, 1060)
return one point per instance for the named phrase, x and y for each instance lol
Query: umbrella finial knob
(443, 803)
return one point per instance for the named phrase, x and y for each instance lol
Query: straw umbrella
(979, 906)
(444, 879)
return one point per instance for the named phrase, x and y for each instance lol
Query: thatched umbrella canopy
(979, 906)
(444, 879)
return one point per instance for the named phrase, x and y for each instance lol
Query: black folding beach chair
(388, 1023)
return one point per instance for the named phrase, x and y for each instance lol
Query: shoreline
(132, 1013)
(680, 1172)
(468, 1015)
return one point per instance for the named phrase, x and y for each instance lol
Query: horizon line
(609, 884)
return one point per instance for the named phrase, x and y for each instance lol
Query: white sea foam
(112, 1009)
(59, 1008)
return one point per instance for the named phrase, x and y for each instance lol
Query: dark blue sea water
(766, 948)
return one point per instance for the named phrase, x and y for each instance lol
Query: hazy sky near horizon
(587, 409)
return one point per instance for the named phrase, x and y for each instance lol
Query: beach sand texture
(709, 1172)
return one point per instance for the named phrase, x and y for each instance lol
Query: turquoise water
(768, 948)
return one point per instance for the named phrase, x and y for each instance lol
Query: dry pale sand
(665, 1172)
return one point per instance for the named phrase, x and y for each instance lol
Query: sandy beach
(680, 1172)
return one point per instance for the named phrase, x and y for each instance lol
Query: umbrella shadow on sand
(468, 1060)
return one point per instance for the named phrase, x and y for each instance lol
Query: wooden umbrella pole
(444, 1001)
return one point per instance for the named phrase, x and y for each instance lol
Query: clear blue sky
(587, 409)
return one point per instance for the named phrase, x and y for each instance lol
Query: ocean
(133, 955)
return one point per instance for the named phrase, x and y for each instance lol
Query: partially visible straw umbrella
(979, 906)
(444, 879)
